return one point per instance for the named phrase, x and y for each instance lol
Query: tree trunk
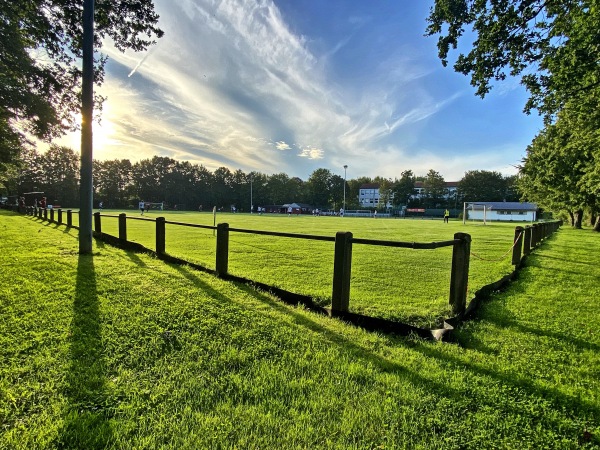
(578, 219)
(597, 224)
(572, 217)
(593, 218)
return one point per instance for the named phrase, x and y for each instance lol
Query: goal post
(154, 205)
(475, 207)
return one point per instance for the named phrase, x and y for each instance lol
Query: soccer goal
(475, 211)
(151, 205)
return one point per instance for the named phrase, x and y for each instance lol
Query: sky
(296, 85)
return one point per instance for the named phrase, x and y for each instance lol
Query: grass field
(121, 350)
(400, 284)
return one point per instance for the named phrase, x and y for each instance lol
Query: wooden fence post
(518, 246)
(60, 216)
(97, 223)
(533, 235)
(52, 215)
(123, 227)
(527, 241)
(45, 213)
(160, 235)
(69, 218)
(342, 267)
(222, 252)
(459, 278)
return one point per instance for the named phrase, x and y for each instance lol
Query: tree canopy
(483, 186)
(561, 170)
(552, 44)
(40, 50)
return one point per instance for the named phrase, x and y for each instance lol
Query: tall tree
(146, 180)
(40, 50)
(113, 180)
(278, 189)
(297, 189)
(319, 188)
(61, 175)
(203, 180)
(240, 190)
(386, 191)
(558, 165)
(482, 186)
(222, 187)
(404, 188)
(512, 193)
(353, 191)
(336, 195)
(552, 44)
(30, 172)
(435, 189)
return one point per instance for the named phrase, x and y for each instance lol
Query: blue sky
(295, 85)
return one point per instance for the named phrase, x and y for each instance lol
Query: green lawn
(120, 350)
(399, 284)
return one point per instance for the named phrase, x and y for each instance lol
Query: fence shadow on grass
(431, 382)
(87, 417)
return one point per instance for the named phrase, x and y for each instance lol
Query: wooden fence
(525, 240)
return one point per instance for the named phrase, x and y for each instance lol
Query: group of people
(38, 204)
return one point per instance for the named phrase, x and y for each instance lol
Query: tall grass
(120, 350)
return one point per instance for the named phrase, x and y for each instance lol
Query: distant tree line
(122, 184)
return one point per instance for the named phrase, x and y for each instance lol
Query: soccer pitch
(393, 283)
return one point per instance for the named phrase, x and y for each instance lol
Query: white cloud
(230, 84)
(280, 145)
(311, 153)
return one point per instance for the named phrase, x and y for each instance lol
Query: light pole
(345, 167)
(251, 202)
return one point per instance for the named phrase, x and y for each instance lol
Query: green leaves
(554, 46)
(40, 77)
(551, 44)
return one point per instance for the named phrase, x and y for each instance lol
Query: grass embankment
(120, 350)
(394, 283)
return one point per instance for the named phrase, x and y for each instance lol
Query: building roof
(369, 186)
(297, 205)
(418, 184)
(503, 206)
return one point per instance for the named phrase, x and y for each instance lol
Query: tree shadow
(429, 381)
(87, 416)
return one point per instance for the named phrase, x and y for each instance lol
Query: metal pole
(251, 202)
(87, 113)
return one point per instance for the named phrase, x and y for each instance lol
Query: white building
(450, 189)
(502, 211)
(368, 196)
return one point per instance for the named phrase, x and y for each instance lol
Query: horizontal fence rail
(191, 225)
(525, 240)
(289, 235)
(413, 245)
